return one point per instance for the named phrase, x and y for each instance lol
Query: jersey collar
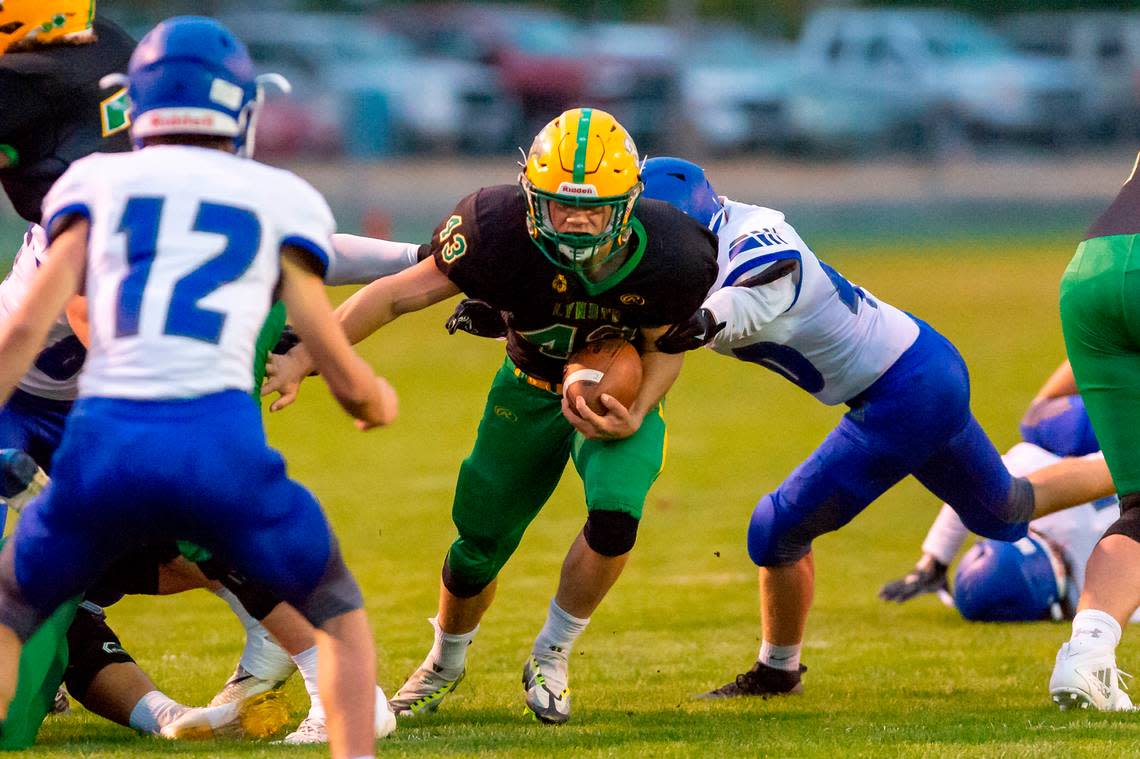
(631, 262)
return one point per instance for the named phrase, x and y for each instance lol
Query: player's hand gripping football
(928, 576)
(283, 375)
(619, 422)
(477, 317)
(698, 330)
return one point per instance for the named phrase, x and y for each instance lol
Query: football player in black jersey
(569, 255)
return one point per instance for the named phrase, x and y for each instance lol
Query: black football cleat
(762, 681)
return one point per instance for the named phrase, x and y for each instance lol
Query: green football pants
(519, 455)
(1100, 317)
(42, 662)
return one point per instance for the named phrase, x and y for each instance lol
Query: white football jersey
(814, 327)
(183, 261)
(55, 374)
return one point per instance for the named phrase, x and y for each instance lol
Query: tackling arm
(360, 260)
(371, 307)
(735, 312)
(369, 399)
(23, 334)
(365, 312)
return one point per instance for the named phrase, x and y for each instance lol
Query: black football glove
(286, 342)
(477, 317)
(698, 330)
(922, 579)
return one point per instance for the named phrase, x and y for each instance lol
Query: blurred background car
(367, 88)
(734, 90)
(830, 78)
(1104, 47)
(534, 54)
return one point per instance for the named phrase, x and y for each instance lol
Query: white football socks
(154, 711)
(559, 632)
(261, 656)
(306, 662)
(448, 653)
(1092, 630)
(780, 657)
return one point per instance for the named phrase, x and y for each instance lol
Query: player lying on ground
(1038, 577)
(907, 389)
(1054, 426)
(568, 258)
(1099, 296)
(164, 397)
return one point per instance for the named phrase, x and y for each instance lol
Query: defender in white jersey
(180, 258)
(776, 304)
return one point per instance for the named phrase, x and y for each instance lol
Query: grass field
(914, 680)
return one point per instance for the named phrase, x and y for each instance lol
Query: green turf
(884, 680)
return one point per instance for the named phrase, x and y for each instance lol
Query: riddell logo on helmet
(181, 120)
(569, 188)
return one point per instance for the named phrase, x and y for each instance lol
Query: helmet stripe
(583, 142)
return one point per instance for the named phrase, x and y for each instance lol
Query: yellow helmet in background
(582, 158)
(27, 22)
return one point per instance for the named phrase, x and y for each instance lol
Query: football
(610, 366)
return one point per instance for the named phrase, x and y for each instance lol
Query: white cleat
(242, 686)
(312, 729)
(547, 690)
(1088, 679)
(422, 692)
(257, 717)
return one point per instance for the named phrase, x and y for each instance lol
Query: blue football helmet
(1010, 582)
(191, 75)
(682, 184)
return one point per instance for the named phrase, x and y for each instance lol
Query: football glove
(698, 330)
(922, 579)
(478, 317)
(286, 342)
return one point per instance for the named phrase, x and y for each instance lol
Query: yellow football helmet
(24, 22)
(582, 158)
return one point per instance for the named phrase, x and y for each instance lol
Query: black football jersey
(485, 249)
(53, 112)
(1123, 216)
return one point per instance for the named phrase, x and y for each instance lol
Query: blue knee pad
(768, 545)
(760, 529)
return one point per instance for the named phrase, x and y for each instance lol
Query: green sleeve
(270, 334)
